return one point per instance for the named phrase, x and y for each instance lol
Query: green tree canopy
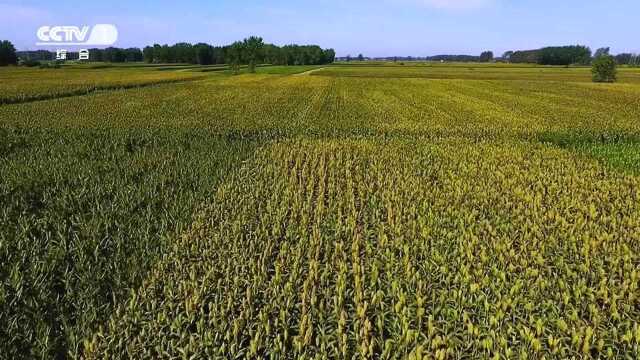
(253, 47)
(604, 69)
(624, 58)
(601, 52)
(234, 56)
(203, 54)
(251, 51)
(7, 53)
(486, 56)
(507, 55)
(554, 55)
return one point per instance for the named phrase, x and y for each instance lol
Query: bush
(604, 69)
(29, 63)
(50, 65)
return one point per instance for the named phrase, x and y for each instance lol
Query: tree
(96, 54)
(218, 55)
(7, 53)
(203, 54)
(315, 55)
(624, 58)
(185, 53)
(112, 54)
(163, 54)
(360, 57)
(147, 54)
(564, 55)
(556, 55)
(507, 55)
(486, 56)
(234, 56)
(525, 56)
(133, 55)
(604, 69)
(157, 51)
(329, 56)
(253, 47)
(272, 55)
(253, 51)
(453, 58)
(601, 52)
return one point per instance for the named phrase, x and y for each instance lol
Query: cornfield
(324, 216)
(20, 85)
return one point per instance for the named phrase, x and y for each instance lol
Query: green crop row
(21, 85)
(312, 105)
(330, 212)
(397, 249)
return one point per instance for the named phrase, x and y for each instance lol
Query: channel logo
(98, 35)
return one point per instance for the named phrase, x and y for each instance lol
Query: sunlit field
(18, 84)
(475, 71)
(370, 211)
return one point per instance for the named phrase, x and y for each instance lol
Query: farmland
(375, 211)
(20, 85)
(475, 72)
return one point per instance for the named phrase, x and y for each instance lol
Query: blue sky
(371, 27)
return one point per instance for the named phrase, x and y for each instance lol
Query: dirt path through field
(309, 72)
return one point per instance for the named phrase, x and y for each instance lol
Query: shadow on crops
(85, 215)
(617, 150)
(87, 212)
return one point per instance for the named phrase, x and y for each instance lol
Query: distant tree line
(36, 55)
(360, 57)
(628, 59)
(567, 55)
(250, 51)
(553, 55)
(486, 56)
(110, 54)
(115, 55)
(246, 51)
(453, 58)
